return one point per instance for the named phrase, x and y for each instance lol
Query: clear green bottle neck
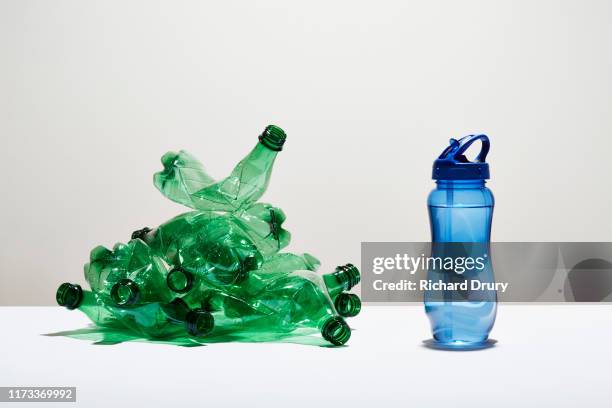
(273, 138)
(342, 279)
(72, 296)
(262, 153)
(336, 331)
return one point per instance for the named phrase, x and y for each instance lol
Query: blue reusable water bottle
(461, 211)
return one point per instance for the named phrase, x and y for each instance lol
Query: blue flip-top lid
(453, 165)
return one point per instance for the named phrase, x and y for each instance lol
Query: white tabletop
(545, 355)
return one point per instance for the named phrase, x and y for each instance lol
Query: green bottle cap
(348, 304)
(125, 293)
(336, 331)
(180, 280)
(199, 322)
(69, 295)
(273, 138)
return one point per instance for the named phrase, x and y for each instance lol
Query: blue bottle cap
(453, 165)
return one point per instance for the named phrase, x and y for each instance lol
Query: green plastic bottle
(142, 320)
(154, 320)
(343, 279)
(256, 295)
(300, 299)
(185, 181)
(237, 300)
(250, 326)
(127, 275)
(72, 296)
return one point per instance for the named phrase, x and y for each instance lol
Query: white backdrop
(93, 93)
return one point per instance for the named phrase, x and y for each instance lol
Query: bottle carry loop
(452, 164)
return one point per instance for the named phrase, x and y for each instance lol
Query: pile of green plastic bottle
(217, 269)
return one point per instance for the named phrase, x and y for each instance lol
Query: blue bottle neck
(460, 184)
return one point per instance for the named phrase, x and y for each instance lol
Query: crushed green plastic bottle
(185, 181)
(218, 269)
(286, 296)
(300, 298)
(127, 275)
